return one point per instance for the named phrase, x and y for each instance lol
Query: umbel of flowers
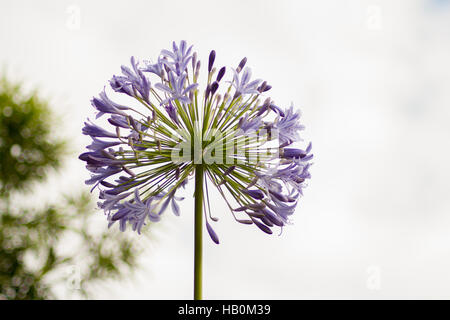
(228, 134)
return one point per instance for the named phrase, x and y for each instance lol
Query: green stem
(198, 244)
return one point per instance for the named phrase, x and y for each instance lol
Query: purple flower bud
(255, 214)
(264, 107)
(171, 111)
(256, 194)
(277, 110)
(194, 60)
(266, 221)
(98, 158)
(241, 65)
(107, 184)
(256, 206)
(166, 68)
(292, 153)
(214, 87)
(244, 221)
(263, 227)
(212, 57)
(273, 218)
(119, 121)
(262, 86)
(133, 123)
(220, 74)
(212, 233)
(207, 92)
(119, 215)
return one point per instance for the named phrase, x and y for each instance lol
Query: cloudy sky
(372, 81)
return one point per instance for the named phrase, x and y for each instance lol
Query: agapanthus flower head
(143, 152)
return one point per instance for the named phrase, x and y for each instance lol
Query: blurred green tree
(34, 258)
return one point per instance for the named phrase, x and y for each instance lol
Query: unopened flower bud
(262, 226)
(194, 60)
(220, 74)
(241, 65)
(212, 233)
(244, 221)
(132, 123)
(214, 87)
(212, 57)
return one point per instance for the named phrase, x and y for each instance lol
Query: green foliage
(39, 235)
(27, 148)
(41, 249)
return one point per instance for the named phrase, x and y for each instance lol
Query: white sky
(371, 78)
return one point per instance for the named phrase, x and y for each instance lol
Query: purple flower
(172, 112)
(278, 196)
(289, 153)
(94, 130)
(98, 144)
(288, 127)
(101, 174)
(110, 201)
(268, 217)
(268, 181)
(249, 125)
(178, 59)
(132, 82)
(171, 198)
(178, 92)
(243, 86)
(256, 194)
(130, 158)
(283, 210)
(273, 217)
(135, 213)
(157, 68)
(282, 201)
(293, 153)
(294, 174)
(106, 105)
(124, 184)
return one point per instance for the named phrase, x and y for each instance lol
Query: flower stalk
(198, 232)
